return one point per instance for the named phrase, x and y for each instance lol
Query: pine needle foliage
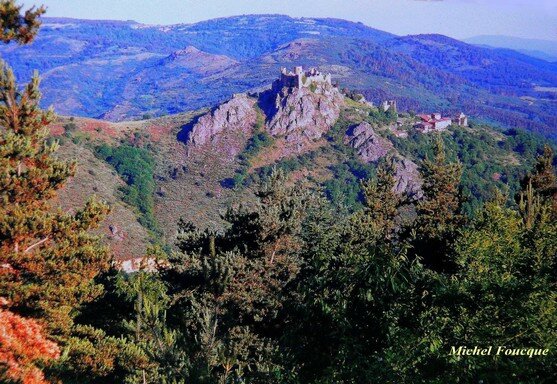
(17, 26)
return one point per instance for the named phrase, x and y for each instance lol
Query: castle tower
(392, 105)
(462, 120)
(298, 78)
(389, 104)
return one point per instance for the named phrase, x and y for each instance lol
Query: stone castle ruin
(300, 78)
(389, 104)
(461, 120)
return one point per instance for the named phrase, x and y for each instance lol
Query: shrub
(136, 167)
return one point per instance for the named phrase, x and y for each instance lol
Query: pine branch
(35, 245)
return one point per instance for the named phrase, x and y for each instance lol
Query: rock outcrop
(302, 114)
(227, 127)
(371, 147)
(408, 178)
(368, 144)
(298, 113)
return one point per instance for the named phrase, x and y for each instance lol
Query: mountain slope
(541, 49)
(207, 160)
(498, 70)
(123, 70)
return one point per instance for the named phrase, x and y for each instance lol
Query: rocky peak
(226, 127)
(301, 114)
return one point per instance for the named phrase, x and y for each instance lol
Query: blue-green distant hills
(542, 49)
(123, 70)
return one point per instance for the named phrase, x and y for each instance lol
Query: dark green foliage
(501, 294)
(228, 288)
(543, 180)
(344, 188)
(131, 321)
(292, 292)
(260, 140)
(357, 283)
(488, 162)
(371, 314)
(136, 166)
(439, 210)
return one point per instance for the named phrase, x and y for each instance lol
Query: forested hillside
(114, 69)
(296, 235)
(165, 183)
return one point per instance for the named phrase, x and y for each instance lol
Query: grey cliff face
(302, 114)
(299, 115)
(371, 147)
(368, 144)
(408, 179)
(228, 122)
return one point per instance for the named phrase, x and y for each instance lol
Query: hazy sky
(456, 18)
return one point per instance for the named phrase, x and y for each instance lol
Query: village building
(298, 78)
(433, 122)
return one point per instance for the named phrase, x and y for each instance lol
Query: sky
(456, 18)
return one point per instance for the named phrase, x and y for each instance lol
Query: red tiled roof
(425, 124)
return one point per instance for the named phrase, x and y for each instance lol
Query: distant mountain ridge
(119, 70)
(541, 49)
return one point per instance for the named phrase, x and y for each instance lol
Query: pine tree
(228, 286)
(48, 259)
(378, 218)
(439, 210)
(122, 336)
(15, 26)
(543, 178)
(168, 363)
